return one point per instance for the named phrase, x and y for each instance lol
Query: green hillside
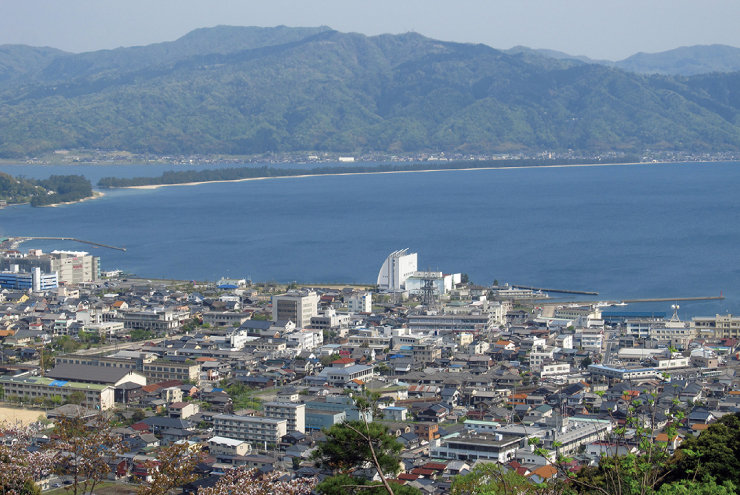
(55, 189)
(254, 90)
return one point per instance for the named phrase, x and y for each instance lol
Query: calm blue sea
(626, 231)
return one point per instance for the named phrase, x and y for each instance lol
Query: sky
(600, 29)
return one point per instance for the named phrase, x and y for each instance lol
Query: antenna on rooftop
(675, 308)
(428, 291)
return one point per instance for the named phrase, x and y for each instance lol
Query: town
(257, 375)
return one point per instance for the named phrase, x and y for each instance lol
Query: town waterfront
(626, 231)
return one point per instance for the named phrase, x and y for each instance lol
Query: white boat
(620, 303)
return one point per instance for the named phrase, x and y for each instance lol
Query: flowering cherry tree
(19, 468)
(244, 481)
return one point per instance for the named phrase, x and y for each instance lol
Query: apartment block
(719, 326)
(293, 412)
(162, 370)
(362, 303)
(250, 428)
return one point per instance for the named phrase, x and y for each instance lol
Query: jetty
(561, 291)
(676, 299)
(71, 239)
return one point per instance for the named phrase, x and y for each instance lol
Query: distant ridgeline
(246, 90)
(187, 176)
(55, 189)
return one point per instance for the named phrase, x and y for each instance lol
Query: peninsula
(192, 177)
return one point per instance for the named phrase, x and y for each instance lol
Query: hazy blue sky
(599, 29)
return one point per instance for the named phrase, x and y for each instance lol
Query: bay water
(626, 231)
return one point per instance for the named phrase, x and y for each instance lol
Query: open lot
(14, 414)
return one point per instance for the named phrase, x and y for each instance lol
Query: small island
(44, 192)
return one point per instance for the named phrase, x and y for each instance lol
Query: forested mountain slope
(254, 90)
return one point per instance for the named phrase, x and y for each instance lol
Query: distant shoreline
(157, 186)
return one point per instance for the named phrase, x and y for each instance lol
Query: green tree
(77, 397)
(354, 444)
(344, 484)
(138, 416)
(492, 479)
(715, 453)
(689, 487)
(586, 362)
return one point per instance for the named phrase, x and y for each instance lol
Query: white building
(228, 446)
(398, 266)
(443, 283)
(306, 339)
(250, 428)
(362, 303)
(294, 413)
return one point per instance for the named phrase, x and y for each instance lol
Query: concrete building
(162, 370)
(96, 396)
(250, 428)
(306, 339)
(297, 306)
(154, 321)
(718, 326)
(330, 320)
(224, 318)
(361, 303)
(72, 267)
(292, 412)
(338, 377)
(443, 283)
(471, 323)
(473, 446)
(228, 446)
(397, 267)
(623, 373)
(34, 280)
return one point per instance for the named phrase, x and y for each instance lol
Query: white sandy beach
(157, 186)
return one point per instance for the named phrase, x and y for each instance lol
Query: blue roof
(228, 286)
(58, 383)
(396, 356)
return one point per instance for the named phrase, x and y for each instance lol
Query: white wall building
(306, 339)
(294, 413)
(250, 428)
(397, 267)
(443, 283)
(362, 303)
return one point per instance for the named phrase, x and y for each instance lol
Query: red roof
(140, 427)
(438, 466)
(343, 361)
(422, 471)
(408, 477)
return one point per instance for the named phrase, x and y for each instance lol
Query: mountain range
(683, 61)
(246, 90)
